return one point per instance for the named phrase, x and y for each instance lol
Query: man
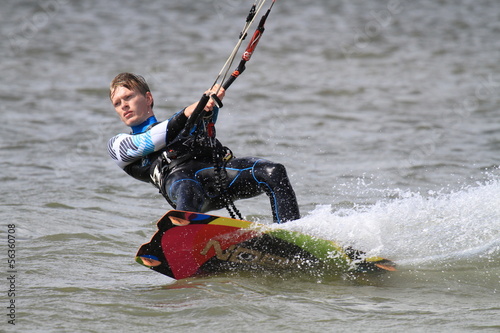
(192, 170)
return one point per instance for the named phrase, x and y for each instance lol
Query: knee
(186, 194)
(277, 170)
(271, 171)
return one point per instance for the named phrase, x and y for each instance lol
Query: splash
(458, 227)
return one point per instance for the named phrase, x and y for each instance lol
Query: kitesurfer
(194, 173)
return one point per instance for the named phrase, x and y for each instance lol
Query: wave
(461, 227)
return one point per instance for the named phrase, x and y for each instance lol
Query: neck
(144, 126)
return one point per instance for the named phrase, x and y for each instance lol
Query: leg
(186, 194)
(274, 180)
(183, 191)
(249, 177)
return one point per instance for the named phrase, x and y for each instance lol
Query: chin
(130, 122)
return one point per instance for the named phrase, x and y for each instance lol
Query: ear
(149, 98)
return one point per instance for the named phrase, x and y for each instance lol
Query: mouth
(128, 114)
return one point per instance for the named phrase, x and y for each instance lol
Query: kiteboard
(191, 244)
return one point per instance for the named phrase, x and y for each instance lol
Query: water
(384, 112)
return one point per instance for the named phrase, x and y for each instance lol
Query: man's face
(132, 107)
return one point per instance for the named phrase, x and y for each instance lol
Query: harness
(199, 144)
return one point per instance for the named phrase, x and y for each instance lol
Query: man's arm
(125, 149)
(176, 124)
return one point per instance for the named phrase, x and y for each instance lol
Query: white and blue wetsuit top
(146, 138)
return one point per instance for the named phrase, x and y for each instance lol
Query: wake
(457, 228)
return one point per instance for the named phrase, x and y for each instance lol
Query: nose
(125, 105)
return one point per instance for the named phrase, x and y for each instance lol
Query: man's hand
(221, 92)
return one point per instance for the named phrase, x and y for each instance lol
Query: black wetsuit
(195, 180)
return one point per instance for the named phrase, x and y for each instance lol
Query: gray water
(386, 114)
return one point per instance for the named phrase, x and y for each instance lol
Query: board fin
(369, 264)
(389, 266)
